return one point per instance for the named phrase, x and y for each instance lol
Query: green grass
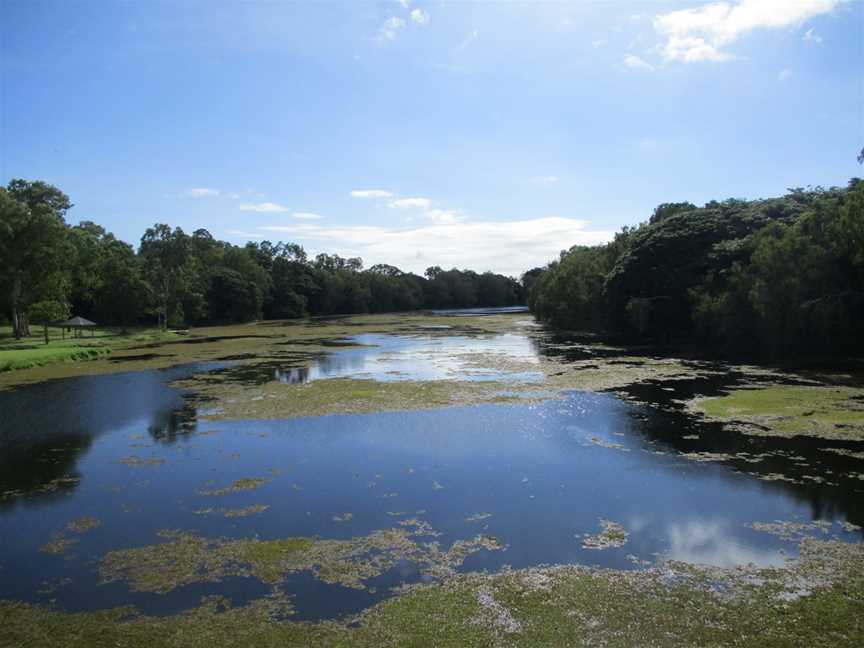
(33, 352)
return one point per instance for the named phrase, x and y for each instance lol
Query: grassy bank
(32, 352)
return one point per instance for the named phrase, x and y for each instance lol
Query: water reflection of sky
(445, 357)
(546, 473)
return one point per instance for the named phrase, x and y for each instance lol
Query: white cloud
(202, 192)
(544, 180)
(411, 203)
(265, 207)
(714, 542)
(306, 216)
(371, 193)
(785, 73)
(510, 247)
(700, 34)
(243, 235)
(405, 3)
(444, 216)
(635, 62)
(811, 37)
(419, 16)
(390, 29)
(470, 38)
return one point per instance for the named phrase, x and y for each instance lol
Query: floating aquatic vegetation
(345, 517)
(234, 513)
(814, 601)
(84, 524)
(186, 558)
(238, 486)
(827, 412)
(134, 460)
(606, 444)
(786, 530)
(611, 536)
(58, 544)
(844, 452)
(478, 517)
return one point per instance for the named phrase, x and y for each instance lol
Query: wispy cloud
(811, 37)
(390, 29)
(265, 207)
(470, 38)
(202, 192)
(371, 193)
(306, 216)
(411, 203)
(633, 61)
(510, 247)
(244, 235)
(702, 33)
(785, 73)
(419, 16)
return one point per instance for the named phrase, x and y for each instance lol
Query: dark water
(546, 473)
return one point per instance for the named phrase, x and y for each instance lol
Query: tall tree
(32, 247)
(165, 253)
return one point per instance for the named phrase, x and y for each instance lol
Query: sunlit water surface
(537, 477)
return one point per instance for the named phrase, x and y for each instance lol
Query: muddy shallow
(101, 464)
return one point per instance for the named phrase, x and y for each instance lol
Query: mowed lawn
(33, 352)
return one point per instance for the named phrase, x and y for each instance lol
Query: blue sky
(488, 135)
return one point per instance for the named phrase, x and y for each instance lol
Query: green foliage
(184, 280)
(777, 276)
(33, 247)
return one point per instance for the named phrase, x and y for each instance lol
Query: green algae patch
(238, 486)
(612, 535)
(787, 411)
(84, 524)
(246, 511)
(138, 462)
(61, 541)
(58, 544)
(186, 558)
(816, 600)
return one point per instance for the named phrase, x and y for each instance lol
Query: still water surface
(537, 477)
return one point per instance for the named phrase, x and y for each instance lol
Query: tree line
(52, 269)
(776, 277)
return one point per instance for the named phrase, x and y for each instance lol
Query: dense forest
(774, 277)
(51, 269)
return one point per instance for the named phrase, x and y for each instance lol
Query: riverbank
(32, 352)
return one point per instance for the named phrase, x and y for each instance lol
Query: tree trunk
(20, 323)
